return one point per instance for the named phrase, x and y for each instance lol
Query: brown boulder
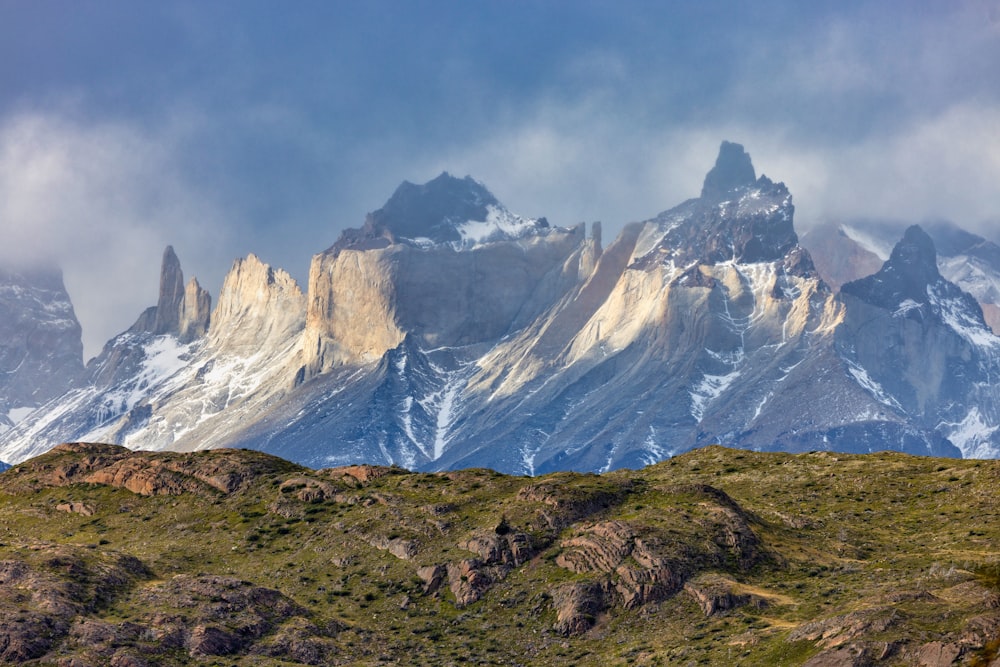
(577, 606)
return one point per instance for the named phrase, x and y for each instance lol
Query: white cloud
(102, 200)
(945, 166)
(583, 163)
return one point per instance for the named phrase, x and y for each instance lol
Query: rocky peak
(171, 297)
(915, 257)
(733, 169)
(258, 306)
(910, 269)
(445, 210)
(432, 208)
(41, 353)
(195, 312)
(738, 218)
(180, 310)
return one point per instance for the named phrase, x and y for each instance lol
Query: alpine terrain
(447, 332)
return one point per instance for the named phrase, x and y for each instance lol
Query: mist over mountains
(449, 332)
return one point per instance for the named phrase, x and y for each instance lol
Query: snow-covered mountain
(448, 332)
(41, 353)
(849, 251)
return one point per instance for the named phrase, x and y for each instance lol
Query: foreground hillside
(717, 556)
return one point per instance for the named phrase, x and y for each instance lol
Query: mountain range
(447, 332)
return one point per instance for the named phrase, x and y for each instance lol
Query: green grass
(839, 534)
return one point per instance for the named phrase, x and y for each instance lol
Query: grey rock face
(171, 298)
(180, 310)
(925, 344)
(733, 169)
(41, 353)
(195, 312)
(911, 268)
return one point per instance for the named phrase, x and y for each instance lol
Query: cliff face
(416, 269)
(259, 307)
(923, 343)
(41, 353)
(195, 312)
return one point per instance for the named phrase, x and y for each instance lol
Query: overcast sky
(226, 128)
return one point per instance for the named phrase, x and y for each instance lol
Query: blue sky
(226, 128)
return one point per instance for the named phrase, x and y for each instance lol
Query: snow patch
(905, 307)
(500, 224)
(709, 389)
(956, 315)
(445, 416)
(656, 452)
(17, 415)
(871, 386)
(973, 435)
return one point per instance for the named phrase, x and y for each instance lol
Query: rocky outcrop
(226, 616)
(76, 508)
(716, 594)
(848, 628)
(433, 576)
(640, 564)
(640, 569)
(196, 312)
(577, 606)
(145, 473)
(51, 585)
(733, 169)
(260, 308)
(563, 506)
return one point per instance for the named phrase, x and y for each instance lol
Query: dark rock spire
(733, 169)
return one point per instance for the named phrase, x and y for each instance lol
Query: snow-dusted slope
(41, 353)
(448, 332)
(152, 390)
(850, 251)
(924, 343)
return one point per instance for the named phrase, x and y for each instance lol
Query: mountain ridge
(540, 349)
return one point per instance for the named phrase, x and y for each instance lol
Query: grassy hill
(716, 557)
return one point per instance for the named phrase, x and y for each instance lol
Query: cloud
(862, 109)
(945, 166)
(102, 200)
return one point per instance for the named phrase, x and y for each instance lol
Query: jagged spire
(171, 294)
(911, 267)
(732, 169)
(915, 257)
